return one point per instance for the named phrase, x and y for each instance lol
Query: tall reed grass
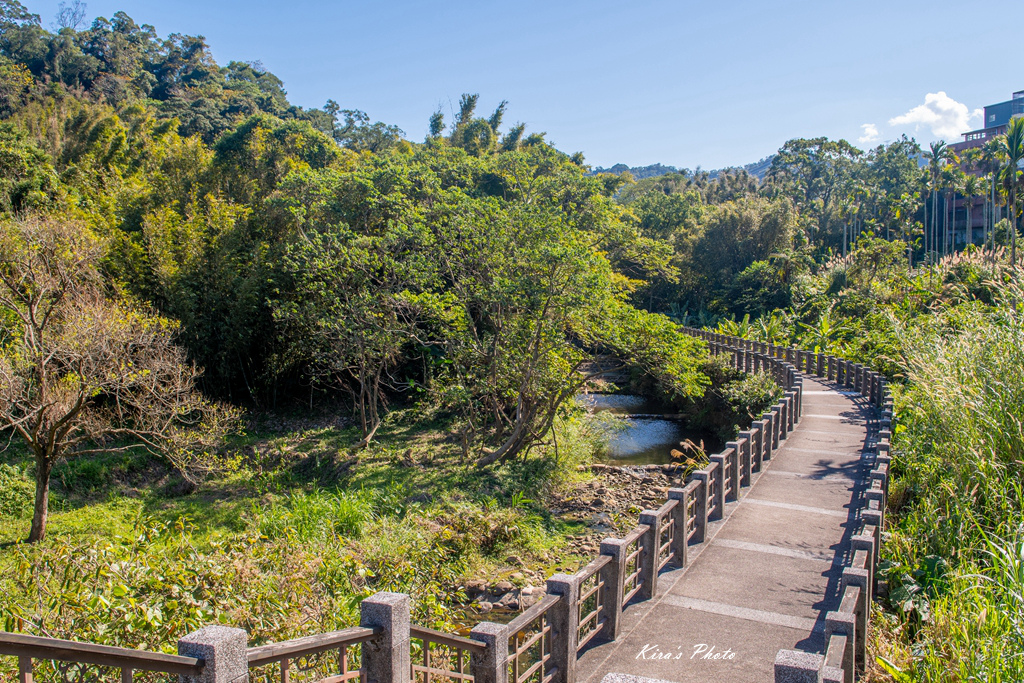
(956, 555)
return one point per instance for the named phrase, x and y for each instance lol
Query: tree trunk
(1013, 222)
(969, 232)
(41, 510)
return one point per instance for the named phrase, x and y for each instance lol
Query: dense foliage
(468, 283)
(301, 253)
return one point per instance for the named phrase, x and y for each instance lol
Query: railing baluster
(286, 670)
(426, 661)
(126, 674)
(515, 659)
(24, 670)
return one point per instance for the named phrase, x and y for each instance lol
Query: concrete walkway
(771, 568)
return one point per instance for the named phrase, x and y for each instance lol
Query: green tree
(1012, 144)
(816, 174)
(938, 154)
(970, 186)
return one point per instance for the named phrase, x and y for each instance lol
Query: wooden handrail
(449, 639)
(37, 647)
(524, 619)
(309, 645)
(593, 567)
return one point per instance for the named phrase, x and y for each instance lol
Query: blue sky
(685, 83)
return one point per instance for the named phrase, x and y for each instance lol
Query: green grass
(286, 542)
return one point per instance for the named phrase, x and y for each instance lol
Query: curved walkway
(771, 568)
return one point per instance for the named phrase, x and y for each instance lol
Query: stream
(648, 434)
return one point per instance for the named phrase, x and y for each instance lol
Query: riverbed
(644, 434)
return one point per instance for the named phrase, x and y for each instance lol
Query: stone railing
(541, 645)
(846, 628)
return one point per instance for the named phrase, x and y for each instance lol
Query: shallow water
(644, 438)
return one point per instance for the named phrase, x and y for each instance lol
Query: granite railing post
(868, 532)
(716, 505)
(873, 520)
(681, 518)
(386, 656)
(565, 622)
(744, 440)
(769, 434)
(790, 410)
(613, 575)
(799, 388)
(819, 364)
(793, 666)
(649, 557)
(860, 577)
(776, 426)
(223, 651)
(700, 507)
(783, 419)
(760, 430)
(732, 454)
(491, 665)
(844, 623)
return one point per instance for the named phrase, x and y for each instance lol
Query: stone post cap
(490, 628)
(627, 678)
(792, 666)
(844, 623)
(562, 584)
(612, 546)
(223, 651)
(388, 598)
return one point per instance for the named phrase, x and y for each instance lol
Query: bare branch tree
(81, 373)
(71, 15)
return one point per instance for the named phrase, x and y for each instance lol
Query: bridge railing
(442, 657)
(543, 643)
(329, 656)
(74, 659)
(845, 652)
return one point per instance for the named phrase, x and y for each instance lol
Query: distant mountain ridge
(757, 168)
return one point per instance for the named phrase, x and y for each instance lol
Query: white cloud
(870, 133)
(944, 116)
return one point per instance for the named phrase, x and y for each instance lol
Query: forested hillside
(270, 359)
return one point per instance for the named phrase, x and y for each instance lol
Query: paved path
(771, 568)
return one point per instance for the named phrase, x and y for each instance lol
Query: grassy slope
(288, 542)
